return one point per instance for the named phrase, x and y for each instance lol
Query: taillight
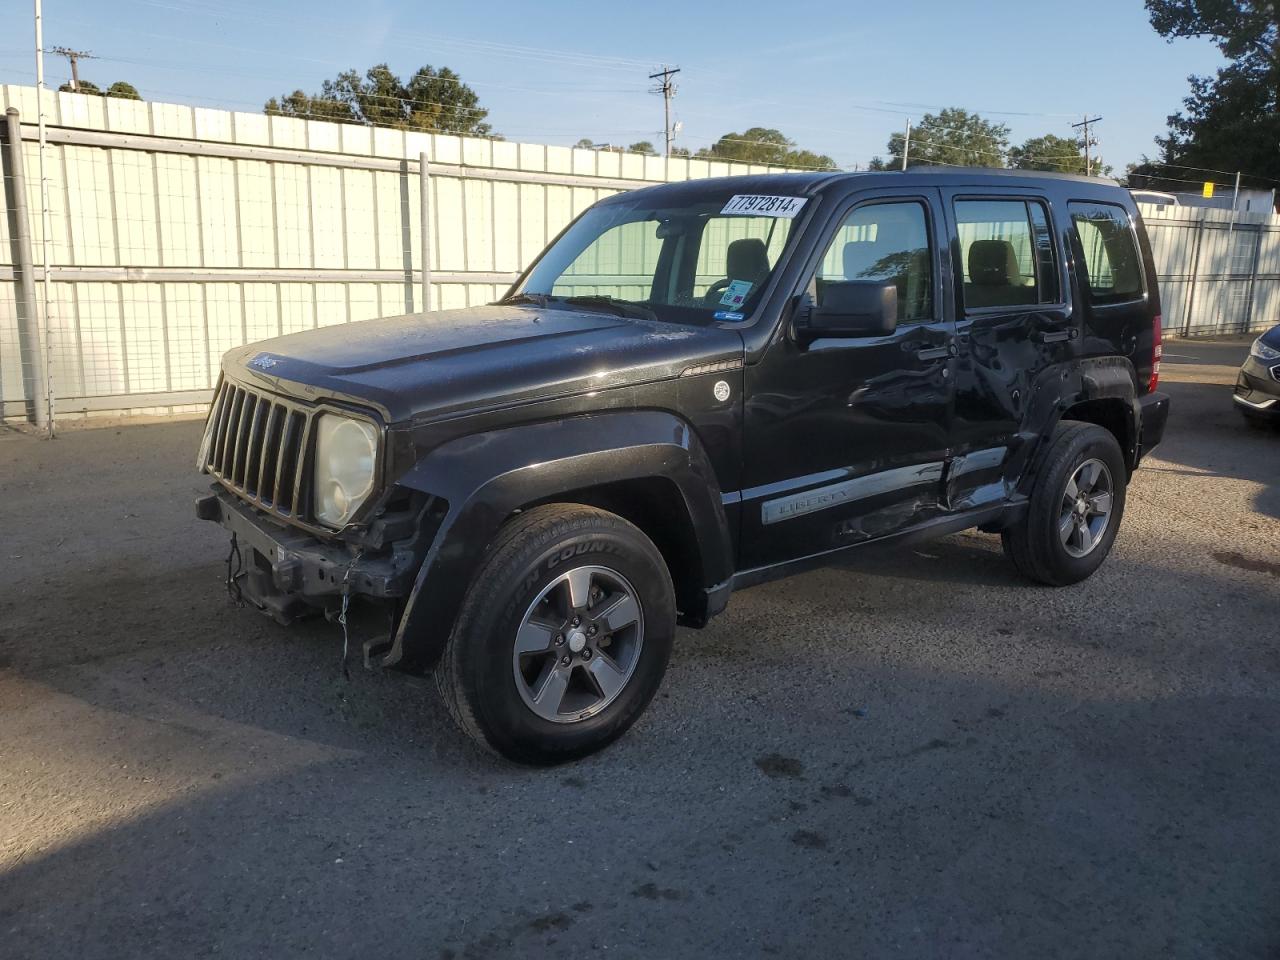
(1157, 351)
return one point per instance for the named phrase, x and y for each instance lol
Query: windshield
(700, 261)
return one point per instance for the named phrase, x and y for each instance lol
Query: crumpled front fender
(486, 477)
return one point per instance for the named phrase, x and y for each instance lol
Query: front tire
(563, 637)
(1075, 507)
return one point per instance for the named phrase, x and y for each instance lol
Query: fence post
(424, 189)
(1253, 278)
(1195, 270)
(29, 340)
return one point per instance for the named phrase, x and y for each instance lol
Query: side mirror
(853, 308)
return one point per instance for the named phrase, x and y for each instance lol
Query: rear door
(845, 438)
(1013, 323)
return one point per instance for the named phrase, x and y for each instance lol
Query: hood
(447, 363)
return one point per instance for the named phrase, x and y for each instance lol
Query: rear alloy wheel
(1086, 508)
(1075, 507)
(563, 637)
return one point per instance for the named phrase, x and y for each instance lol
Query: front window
(704, 260)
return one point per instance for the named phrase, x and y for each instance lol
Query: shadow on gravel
(1004, 818)
(1207, 435)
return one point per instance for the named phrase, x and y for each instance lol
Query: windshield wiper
(623, 308)
(537, 299)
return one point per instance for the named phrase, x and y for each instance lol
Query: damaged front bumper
(288, 573)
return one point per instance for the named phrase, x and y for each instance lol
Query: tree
(952, 136)
(124, 91)
(120, 90)
(765, 145)
(642, 146)
(1050, 152)
(433, 101)
(1230, 121)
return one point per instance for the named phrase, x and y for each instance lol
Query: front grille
(258, 446)
(1275, 372)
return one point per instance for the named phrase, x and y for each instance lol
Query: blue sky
(835, 77)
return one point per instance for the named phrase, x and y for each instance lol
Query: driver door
(845, 437)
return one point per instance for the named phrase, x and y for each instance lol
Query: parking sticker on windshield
(761, 205)
(735, 295)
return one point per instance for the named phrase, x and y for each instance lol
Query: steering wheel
(713, 292)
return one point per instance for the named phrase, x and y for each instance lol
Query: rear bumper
(288, 573)
(1155, 414)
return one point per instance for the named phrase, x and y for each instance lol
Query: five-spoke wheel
(1073, 508)
(1086, 508)
(564, 635)
(578, 644)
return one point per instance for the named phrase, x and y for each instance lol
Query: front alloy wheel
(578, 644)
(563, 636)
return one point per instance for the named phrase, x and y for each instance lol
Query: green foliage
(121, 90)
(1230, 121)
(765, 145)
(1050, 152)
(124, 91)
(952, 136)
(641, 146)
(432, 101)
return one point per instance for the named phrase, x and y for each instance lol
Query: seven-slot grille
(257, 446)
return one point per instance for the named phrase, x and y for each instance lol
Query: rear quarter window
(1112, 266)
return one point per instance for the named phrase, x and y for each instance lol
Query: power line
(74, 56)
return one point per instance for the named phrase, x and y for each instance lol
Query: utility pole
(906, 146)
(668, 90)
(1088, 142)
(74, 56)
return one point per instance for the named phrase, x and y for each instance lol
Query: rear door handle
(934, 353)
(1057, 336)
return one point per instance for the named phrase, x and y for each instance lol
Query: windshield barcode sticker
(758, 205)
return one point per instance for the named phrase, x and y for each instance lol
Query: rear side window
(1006, 253)
(1111, 260)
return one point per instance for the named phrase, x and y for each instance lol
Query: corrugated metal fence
(177, 233)
(1218, 273)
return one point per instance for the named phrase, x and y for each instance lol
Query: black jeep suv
(696, 387)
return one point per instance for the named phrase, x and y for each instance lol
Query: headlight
(346, 455)
(1263, 352)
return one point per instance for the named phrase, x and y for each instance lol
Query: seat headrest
(747, 259)
(858, 256)
(993, 263)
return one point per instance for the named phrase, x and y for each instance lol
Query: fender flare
(485, 477)
(1061, 387)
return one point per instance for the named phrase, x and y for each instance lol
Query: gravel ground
(911, 754)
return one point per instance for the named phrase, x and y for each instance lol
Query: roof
(808, 184)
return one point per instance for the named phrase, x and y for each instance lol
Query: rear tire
(563, 637)
(1075, 509)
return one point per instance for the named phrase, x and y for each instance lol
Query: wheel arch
(647, 466)
(1097, 390)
